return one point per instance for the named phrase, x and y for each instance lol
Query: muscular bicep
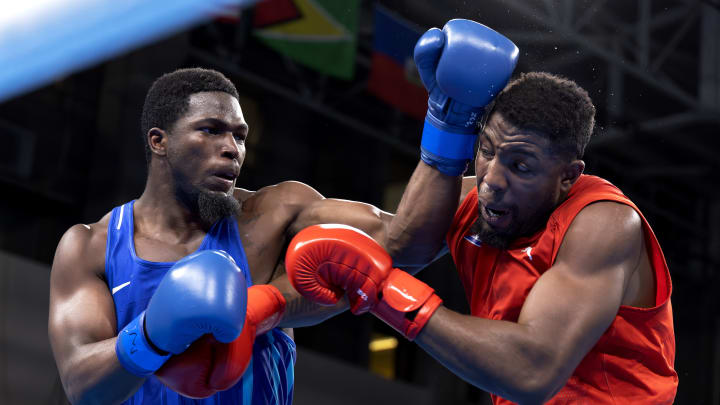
(576, 300)
(366, 217)
(81, 307)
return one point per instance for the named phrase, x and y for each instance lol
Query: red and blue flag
(393, 75)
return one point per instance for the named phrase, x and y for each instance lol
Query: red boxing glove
(265, 309)
(324, 261)
(209, 366)
(206, 367)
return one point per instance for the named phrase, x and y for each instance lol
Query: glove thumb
(427, 54)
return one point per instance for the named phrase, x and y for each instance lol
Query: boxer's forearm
(300, 312)
(93, 375)
(496, 356)
(417, 231)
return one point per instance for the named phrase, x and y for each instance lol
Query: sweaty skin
(601, 265)
(204, 150)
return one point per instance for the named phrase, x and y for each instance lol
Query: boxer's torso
(132, 280)
(262, 226)
(633, 360)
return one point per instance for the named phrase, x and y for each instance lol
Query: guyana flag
(320, 34)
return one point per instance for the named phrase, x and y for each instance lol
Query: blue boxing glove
(202, 293)
(463, 67)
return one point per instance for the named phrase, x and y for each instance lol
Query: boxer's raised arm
(82, 324)
(417, 231)
(459, 100)
(416, 237)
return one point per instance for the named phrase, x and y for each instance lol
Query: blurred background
(332, 98)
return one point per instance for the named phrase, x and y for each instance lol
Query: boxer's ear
(571, 173)
(157, 139)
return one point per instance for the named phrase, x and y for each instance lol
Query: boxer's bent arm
(567, 311)
(301, 312)
(82, 324)
(311, 209)
(420, 220)
(365, 217)
(417, 231)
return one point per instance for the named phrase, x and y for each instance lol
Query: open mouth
(496, 217)
(494, 213)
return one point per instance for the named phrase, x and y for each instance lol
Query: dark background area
(72, 150)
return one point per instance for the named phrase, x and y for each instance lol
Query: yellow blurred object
(383, 343)
(382, 355)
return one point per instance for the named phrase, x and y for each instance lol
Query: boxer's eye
(210, 130)
(522, 167)
(486, 153)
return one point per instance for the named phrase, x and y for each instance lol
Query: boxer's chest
(500, 280)
(263, 236)
(162, 248)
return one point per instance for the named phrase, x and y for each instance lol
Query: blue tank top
(132, 281)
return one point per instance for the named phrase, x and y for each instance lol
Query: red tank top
(633, 360)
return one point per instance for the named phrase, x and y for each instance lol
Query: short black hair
(169, 97)
(552, 105)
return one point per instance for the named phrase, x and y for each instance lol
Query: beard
(209, 206)
(502, 240)
(489, 236)
(213, 207)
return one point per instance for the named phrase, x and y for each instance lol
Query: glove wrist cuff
(450, 167)
(134, 350)
(267, 305)
(407, 303)
(423, 316)
(447, 151)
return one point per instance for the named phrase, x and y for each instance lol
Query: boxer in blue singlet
(104, 273)
(132, 281)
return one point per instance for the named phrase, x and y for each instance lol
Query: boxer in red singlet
(568, 288)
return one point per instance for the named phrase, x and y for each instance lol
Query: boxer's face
(519, 182)
(205, 150)
(206, 146)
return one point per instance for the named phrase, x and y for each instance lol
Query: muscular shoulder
(603, 234)
(83, 244)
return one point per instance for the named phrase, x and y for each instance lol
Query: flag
(393, 75)
(320, 34)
